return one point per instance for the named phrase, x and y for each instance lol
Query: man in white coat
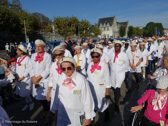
(39, 71)
(67, 52)
(86, 52)
(118, 64)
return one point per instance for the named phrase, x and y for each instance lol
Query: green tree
(84, 29)
(130, 31)
(16, 5)
(4, 3)
(137, 31)
(95, 30)
(149, 29)
(122, 31)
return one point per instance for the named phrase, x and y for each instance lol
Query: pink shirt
(151, 114)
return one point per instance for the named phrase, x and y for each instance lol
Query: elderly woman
(99, 80)
(3, 65)
(80, 60)
(157, 104)
(73, 99)
(144, 54)
(23, 83)
(55, 73)
(67, 52)
(86, 52)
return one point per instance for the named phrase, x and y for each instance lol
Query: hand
(87, 122)
(19, 80)
(147, 64)
(48, 96)
(107, 96)
(136, 108)
(149, 77)
(133, 67)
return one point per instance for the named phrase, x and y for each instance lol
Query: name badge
(161, 122)
(23, 65)
(101, 84)
(41, 62)
(96, 73)
(120, 60)
(76, 92)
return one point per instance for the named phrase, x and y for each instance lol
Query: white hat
(77, 46)
(123, 41)
(162, 82)
(118, 42)
(142, 43)
(109, 42)
(68, 59)
(101, 40)
(40, 42)
(140, 40)
(22, 48)
(59, 47)
(85, 44)
(149, 39)
(127, 42)
(163, 37)
(133, 43)
(99, 46)
(63, 43)
(153, 37)
(97, 51)
(97, 42)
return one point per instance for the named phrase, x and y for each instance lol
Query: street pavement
(123, 118)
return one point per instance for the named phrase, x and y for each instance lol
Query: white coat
(152, 48)
(159, 51)
(88, 57)
(99, 80)
(144, 55)
(67, 53)
(106, 49)
(138, 56)
(71, 104)
(53, 80)
(111, 51)
(118, 69)
(43, 69)
(82, 63)
(105, 57)
(23, 88)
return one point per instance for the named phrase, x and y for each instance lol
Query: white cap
(59, 47)
(85, 44)
(22, 48)
(63, 43)
(40, 42)
(142, 43)
(97, 51)
(99, 46)
(133, 43)
(77, 46)
(123, 41)
(68, 59)
(118, 42)
(149, 39)
(111, 45)
(162, 82)
(109, 42)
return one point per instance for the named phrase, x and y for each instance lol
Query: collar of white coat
(74, 76)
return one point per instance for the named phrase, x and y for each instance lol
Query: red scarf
(116, 56)
(69, 82)
(39, 58)
(20, 60)
(58, 69)
(95, 66)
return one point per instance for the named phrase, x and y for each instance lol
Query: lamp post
(25, 29)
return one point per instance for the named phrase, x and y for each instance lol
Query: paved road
(32, 118)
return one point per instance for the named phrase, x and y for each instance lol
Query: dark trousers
(146, 122)
(46, 105)
(150, 66)
(129, 78)
(117, 95)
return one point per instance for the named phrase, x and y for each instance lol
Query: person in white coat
(144, 62)
(99, 79)
(135, 59)
(55, 73)
(118, 64)
(39, 70)
(80, 60)
(67, 52)
(86, 52)
(73, 101)
(23, 83)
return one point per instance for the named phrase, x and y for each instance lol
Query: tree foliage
(84, 29)
(122, 31)
(95, 30)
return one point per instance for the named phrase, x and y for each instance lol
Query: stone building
(110, 27)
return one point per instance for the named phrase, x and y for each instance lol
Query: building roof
(106, 20)
(122, 23)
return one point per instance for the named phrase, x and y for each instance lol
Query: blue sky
(138, 12)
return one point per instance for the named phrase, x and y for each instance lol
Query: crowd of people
(73, 83)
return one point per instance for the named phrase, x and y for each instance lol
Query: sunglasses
(68, 68)
(58, 54)
(95, 56)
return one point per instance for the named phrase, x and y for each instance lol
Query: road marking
(36, 113)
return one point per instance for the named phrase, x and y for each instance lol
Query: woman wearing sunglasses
(80, 60)
(99, 80)
(23, 82)
(73, 98)
(55, 73)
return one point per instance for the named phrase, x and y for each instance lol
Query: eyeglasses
(58, 54)
(68, 68)
(95, 56)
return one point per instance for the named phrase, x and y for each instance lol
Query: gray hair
(166, 55)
